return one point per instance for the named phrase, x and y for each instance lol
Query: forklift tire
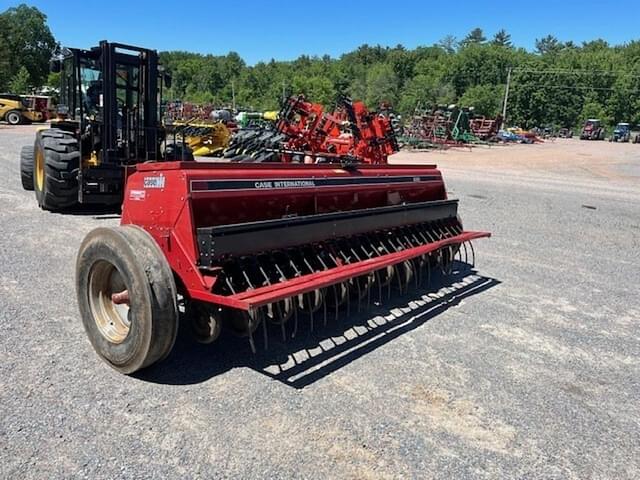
(138, 328)
(14, 117)
(55, 172)
(26, 167)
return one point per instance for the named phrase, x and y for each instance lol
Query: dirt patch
(460, 417)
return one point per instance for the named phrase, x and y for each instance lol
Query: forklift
(107, 121)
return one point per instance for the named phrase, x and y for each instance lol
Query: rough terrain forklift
(108, 120)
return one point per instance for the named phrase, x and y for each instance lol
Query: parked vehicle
(622, 133)
(565, 133)
(14, 111)
(592, 130)
(39, 103)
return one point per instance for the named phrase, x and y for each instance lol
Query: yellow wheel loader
(14, 111)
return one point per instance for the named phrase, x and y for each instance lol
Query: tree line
(558, 83)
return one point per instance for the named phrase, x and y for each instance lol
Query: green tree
(449, 44)
(317, 89)
(475, 36)
(550, 86)
(485, 99)
(593, 109)
(548, 45)
(501, 39)
(382, 85)
(20, 82)
(53, 80)
(25, 41)
(481, 65)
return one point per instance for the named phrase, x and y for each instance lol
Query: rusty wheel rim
(112, 319)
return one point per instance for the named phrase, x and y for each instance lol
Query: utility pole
(506, 97)
(233, 96)
(283, 91)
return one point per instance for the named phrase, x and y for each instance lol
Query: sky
(262, 30)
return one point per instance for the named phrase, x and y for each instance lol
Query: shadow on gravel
(310, 356)
(98, 212)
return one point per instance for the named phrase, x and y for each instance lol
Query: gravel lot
(529, 368)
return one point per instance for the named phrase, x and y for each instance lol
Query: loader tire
(55, 172)
(126, 259)
(14, 117)
(26, 167)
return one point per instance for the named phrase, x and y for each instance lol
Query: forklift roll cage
(111, 95)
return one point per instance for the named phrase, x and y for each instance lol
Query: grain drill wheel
(206, 323)
(56, 164)
(127, 297)
(26, 167)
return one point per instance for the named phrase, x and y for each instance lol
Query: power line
(579, 87)
(557, 71)
(576, 72)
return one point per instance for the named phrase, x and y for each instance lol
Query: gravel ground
(527, 368)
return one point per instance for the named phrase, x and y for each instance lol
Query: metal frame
(253, 237)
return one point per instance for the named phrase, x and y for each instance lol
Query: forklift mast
(135, 119)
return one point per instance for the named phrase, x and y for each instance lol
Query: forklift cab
(109, 98)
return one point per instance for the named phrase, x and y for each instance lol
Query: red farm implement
(445, 127)
(484, 128)
(264, 246)
(305, 133)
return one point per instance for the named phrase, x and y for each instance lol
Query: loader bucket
(266, 243)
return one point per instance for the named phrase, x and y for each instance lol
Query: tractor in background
(565, 132)
(42, 104)
(593, 129)
(622, 133)
(14, 110)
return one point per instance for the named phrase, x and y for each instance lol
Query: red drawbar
(272, 293)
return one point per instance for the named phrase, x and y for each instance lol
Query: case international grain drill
(251, 247)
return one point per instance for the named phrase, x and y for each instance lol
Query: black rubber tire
(14, 117)
(61, 162)
(174, 152)
(26, 167)
(205, 323)
(153, 312)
